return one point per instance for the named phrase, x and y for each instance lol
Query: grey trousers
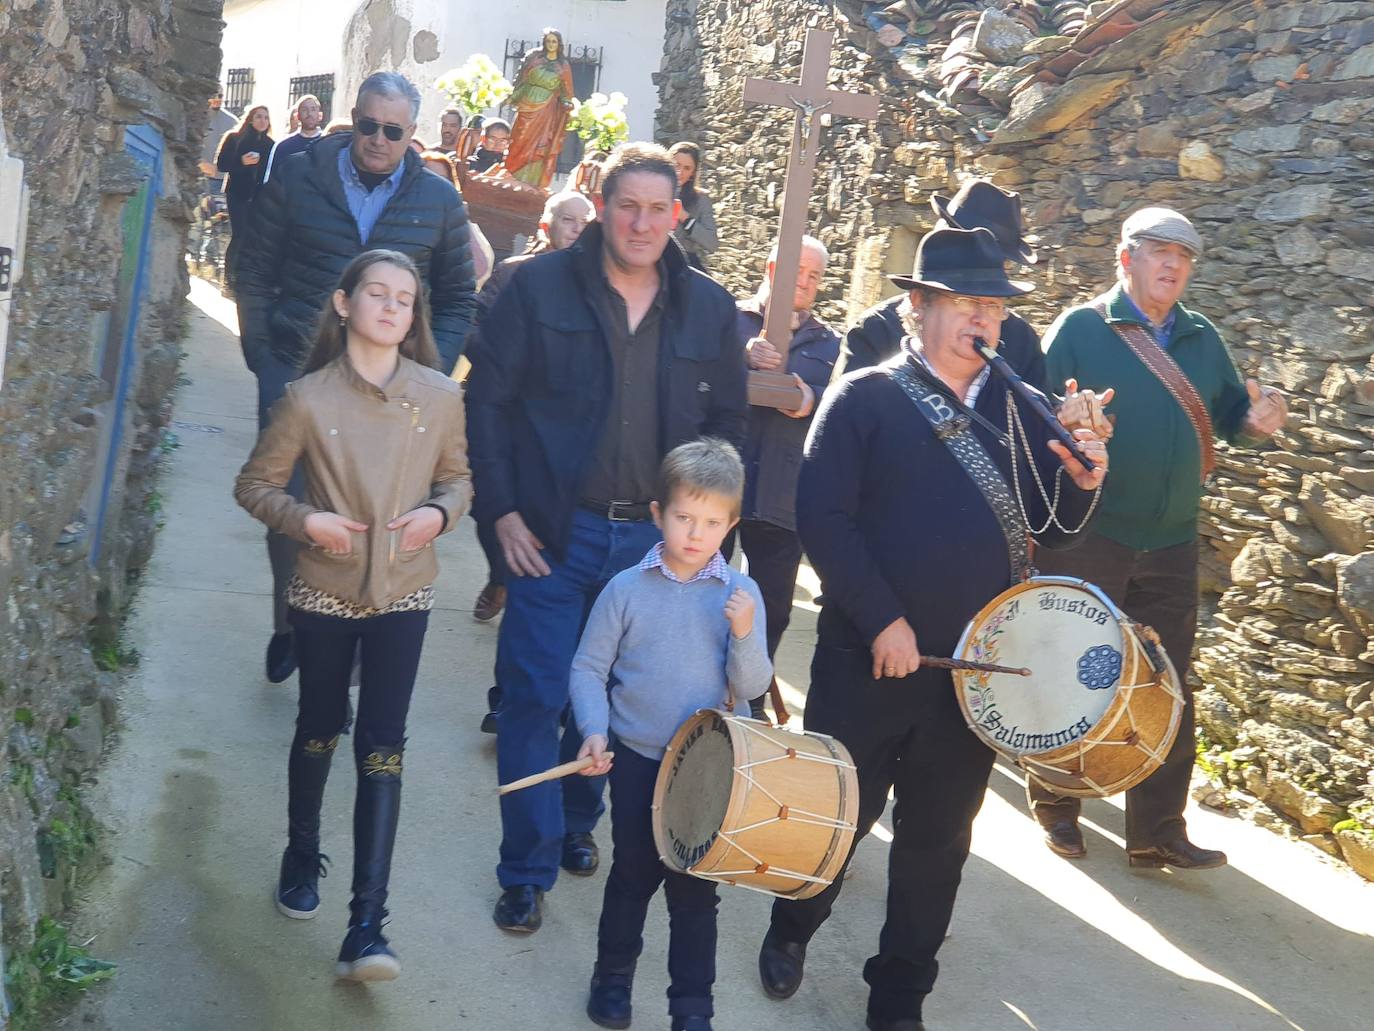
(273, 376)
(1157, 588)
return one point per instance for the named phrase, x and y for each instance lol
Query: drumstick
(576, 766)
(972, 667)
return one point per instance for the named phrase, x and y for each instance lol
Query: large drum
(1103, 704)
(744, 803)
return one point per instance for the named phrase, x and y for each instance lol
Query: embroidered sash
(954, 430)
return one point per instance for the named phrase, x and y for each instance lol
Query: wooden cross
(810, 99)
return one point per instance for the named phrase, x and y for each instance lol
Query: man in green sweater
(1175, 386)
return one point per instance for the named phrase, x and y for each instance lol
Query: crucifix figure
(809, 99)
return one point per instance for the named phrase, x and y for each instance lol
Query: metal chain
(1016, 429)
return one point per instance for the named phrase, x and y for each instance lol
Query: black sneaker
(581, 857)
(298, 894)
(608, 1002)
(493, 706)
(365, 954)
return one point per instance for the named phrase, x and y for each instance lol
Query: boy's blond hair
(706, 466)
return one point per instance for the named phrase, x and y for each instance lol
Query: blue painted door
(144, 144)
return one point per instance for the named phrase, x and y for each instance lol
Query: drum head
(1070, 636)
(696, 794)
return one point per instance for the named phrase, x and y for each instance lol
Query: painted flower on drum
(600, 120)
(983, 648)
(475, 86)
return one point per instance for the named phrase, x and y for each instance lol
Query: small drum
(1103, 705)
(744, 803)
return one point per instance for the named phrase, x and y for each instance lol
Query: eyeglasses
(369, 127)
(968, 305)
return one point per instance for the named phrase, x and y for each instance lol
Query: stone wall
(74, 74)
(1250, 117)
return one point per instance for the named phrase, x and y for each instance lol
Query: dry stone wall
(1253, 119)
(74, 74)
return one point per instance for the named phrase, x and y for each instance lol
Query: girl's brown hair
(332, 338)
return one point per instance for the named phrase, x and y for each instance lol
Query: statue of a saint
(543, 100)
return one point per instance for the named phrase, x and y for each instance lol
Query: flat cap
(1164, 224)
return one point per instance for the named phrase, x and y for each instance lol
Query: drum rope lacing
(1016, 429)
(1157, 754)
(785, 812)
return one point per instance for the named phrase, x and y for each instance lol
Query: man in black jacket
(594, 362)
(978, 205)
(320, 210)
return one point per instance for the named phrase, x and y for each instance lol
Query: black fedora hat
(961, 261)
(980, 205)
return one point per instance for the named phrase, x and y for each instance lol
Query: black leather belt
(619, 511)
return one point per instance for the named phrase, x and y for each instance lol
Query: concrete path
(196, 784)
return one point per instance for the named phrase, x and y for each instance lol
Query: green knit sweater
(1152, 491)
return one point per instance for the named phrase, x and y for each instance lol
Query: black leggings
(390, 650)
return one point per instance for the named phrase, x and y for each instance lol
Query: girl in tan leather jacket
(380, 437)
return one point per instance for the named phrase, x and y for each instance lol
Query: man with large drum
(906, 508)
(1177, 386)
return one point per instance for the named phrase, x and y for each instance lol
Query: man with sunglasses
(352, 192)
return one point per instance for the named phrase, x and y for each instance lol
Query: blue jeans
(539, 634)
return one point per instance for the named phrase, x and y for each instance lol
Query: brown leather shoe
(1180, 853)
(1065, 839)
(489, 603)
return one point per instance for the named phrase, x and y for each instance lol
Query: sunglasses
(369, 127)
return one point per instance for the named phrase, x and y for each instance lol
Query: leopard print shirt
(300, 595)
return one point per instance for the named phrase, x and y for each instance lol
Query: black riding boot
(365, 954)
(302, 864)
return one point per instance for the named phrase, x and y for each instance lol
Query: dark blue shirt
(1163, 331)
(293, 144)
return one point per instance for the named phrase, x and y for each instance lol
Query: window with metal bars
(586, 73)
(238, 92)
(321, 86)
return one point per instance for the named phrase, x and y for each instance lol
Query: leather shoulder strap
(953, 430)
(1142, 343)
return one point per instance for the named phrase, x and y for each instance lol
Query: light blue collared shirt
(366, 205)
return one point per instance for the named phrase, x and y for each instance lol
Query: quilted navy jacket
(301, 236)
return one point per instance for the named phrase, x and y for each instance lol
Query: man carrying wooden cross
(773, 448)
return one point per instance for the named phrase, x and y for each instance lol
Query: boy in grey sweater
(681, 631)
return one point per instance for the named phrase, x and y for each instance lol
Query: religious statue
(543, 100)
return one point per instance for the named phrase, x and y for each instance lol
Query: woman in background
(697, 230)
(243, 156)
